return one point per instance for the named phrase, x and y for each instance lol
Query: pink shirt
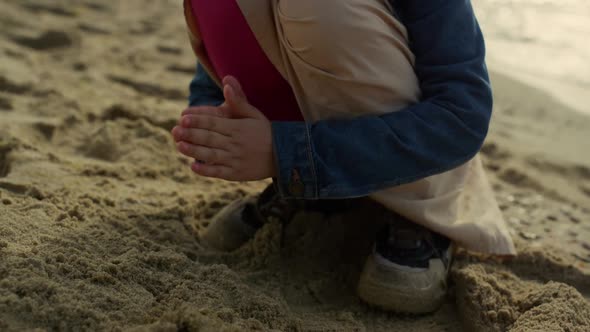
(234, 50)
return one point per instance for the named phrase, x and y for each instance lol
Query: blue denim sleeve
(203, 90)
(351, 158)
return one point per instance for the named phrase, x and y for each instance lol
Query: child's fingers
(211, 123)
(220, 111)
(175, 134)
(201, 137)
(237, 101)
(204, 154)
(214, 171)
(236, 86)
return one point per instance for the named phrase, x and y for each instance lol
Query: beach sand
(99, 215)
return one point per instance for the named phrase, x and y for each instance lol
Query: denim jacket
(334, 159)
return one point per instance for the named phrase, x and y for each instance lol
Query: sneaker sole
(401, 289)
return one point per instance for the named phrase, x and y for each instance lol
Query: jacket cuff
(296, 176)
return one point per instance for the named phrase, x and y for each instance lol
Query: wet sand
(99, 215)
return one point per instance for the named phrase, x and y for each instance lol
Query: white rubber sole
(402, 289)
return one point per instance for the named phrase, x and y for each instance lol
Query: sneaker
(407, 271)
(237, 222)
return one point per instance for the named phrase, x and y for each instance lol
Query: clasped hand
(232, 141)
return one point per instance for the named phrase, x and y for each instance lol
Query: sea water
(543, 42)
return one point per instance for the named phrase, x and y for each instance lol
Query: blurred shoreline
(576, 97)
(541, 43)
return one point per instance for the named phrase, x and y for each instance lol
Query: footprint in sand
(5, 104)
(189, 70)
(97, 6)
(165, 49)
(48, 40)
(7, 85)
(149, 89)
(144, 28)
(79, 66)
(582, 171)
(16, 76)
(519, 178)
(47, 8)
(494, 156)
(576, 171)
(493, 151)
(46, 129)
(119, 111)
(93, 29)
(102, 145)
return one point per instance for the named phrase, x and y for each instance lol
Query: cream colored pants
(346, 58)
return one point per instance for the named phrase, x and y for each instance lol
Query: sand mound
(99, 216)
(493, 297)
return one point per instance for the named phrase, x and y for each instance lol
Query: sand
(100, 216)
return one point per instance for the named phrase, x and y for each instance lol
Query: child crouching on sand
(338, 99)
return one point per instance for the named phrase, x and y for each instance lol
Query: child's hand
(232, 141)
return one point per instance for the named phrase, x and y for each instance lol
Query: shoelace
(406, 235)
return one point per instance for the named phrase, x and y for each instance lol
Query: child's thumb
(235, 97)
